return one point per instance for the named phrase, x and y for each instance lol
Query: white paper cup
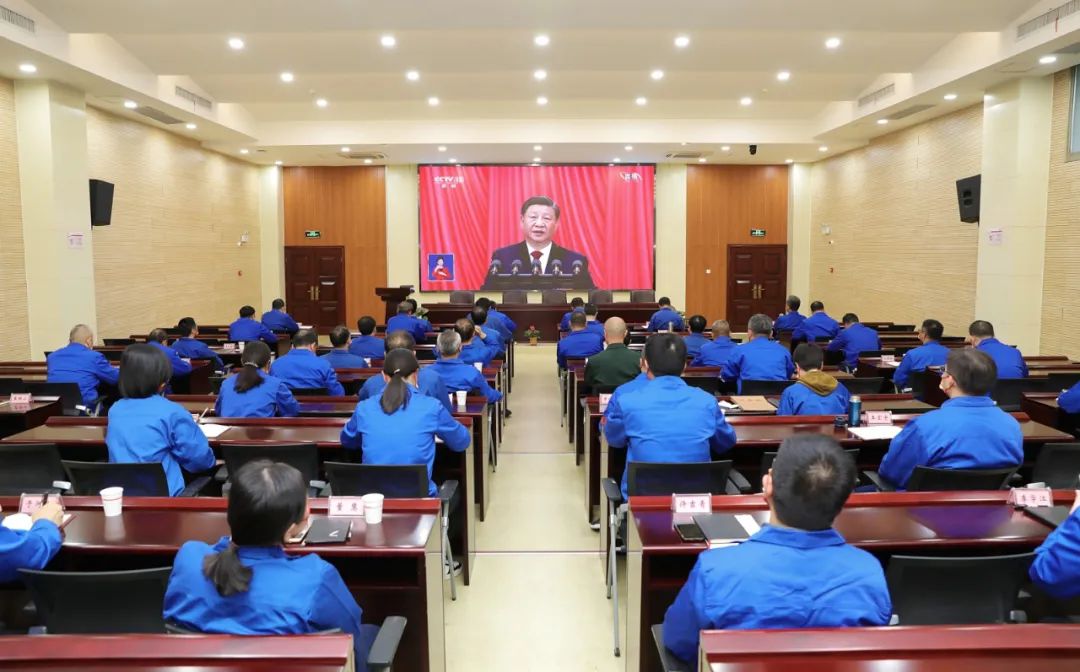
(367, 362)
(479, 366)
(112, 499)
(373, 505)
(460, 396)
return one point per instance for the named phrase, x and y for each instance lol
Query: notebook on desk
(328, 531)
(722, 528)
(1052, 516)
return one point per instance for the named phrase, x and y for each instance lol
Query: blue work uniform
(279, 320)
(636, 383)
(788, 322)
(300, 369)
(179, 366)
(155, 429)
(371, 347)
(76, 363)
(778, 578)
(496, 325)
(816, 326)
(694, 343)
(406, 436)
(1010, 363)
(666, 420)
(458, 375)
(1069, 400)
(564, 323)
(477, 350)
(29, 549)
(921, 358)
(247, 329)
(666, 315)
(492, 340)
(715, 352)
(414, 325)
(852, 340)
(288, 595)
(799, 399)
(195, 349)
(428, 380)
(758, 359)
(343, 359)
(1056, 568)
(965, 433)
(581, 343)
(596, 326)
(271, 399)
(510, 325)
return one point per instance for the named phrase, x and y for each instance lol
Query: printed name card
(21, 398)
(347, 507)
(879, 417)
(888, 359)
(604, 399)
(691, 503)
(1036, 497)
(228, 347)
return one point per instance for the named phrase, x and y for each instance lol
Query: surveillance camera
(753, 150)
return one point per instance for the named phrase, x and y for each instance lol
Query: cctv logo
(630, 177)
(451, 182)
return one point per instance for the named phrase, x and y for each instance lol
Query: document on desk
(756, 403)
(213, 431)
(875, 432)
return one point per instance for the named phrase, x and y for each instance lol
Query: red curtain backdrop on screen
(467, 212)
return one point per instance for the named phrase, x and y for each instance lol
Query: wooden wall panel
(723, 203)
(179, 211)
(897, 249)
(348, 205)
(15, 342)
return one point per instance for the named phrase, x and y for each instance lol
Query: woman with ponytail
(254, 393)
(247, 585)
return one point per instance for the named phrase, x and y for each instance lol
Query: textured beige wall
(1061, 273)
(178, 214)
(897, 248)
(15, 340)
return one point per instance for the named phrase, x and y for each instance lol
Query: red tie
(536, 255)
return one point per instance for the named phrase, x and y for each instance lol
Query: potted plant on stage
(533, 334)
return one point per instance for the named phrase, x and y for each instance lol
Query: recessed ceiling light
(287, 77)
(321, 102)
(950, 96)
(453, 160)
(789, 160)
(367, 160)
(1047, 60)
(823, 148)
(346, 149)
(641, 100)
(412, 75)
(746, 101)
(189, 126)
(541, 100)
(617, 160)
(442, 148)
(540, 75)
(725, 148)
(236, 44)
(277, 163)
(783, 76)
(682, 41)
(388, 41)
(832, 43)
(629, 148)
(882, 122)
(701, 160)
(534, 164)
(536, 159)
(28, 68)
(537, 148)
(541, 40)
(244, 151)
(130, 104)
(657, 74)
(433, 101)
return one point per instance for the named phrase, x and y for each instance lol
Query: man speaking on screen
(537, 255)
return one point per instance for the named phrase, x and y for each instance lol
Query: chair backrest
(642, 296)
(666, 478)
(12, 386)
(461, 296)
(99, 602)
(769, 456)
(123, 342)
(598, 296)
(1009, 392)
(955, 591)
(863, 385)
(515, 296)
(899, 328)
(303, 456)
(1058, 465)
(926, 479)
(876, 353)
(310, 392)
(31, 467)
(710, 384)
(137, 479)
(754, 387)
(833, 357)
(553, 296)
(69, 393)
(394, 481)
(1056, 382)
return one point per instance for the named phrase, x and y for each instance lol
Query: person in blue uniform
(456, 374)
(696, 338)
(577, 305)
(818, 325)
(791, 319)
(816, 392)
(853, 339)
(1010, 362)
(493, 321)
(340, 357)
(1056, 568)
(969, 431)
(367, 344)
(580, 342)
(407, 320)
(591, 322)
(428, 380)
(33, 548)
(1069, 400)
(666, 318)
(301, 369)
(246, 584)
(276, 319)
(758, 358)
(717, 351)
(473, 347)
(666, 420)
(930, 353)
(493, 312)
(797, 571)
(188, 346)
(157, 338)
(247, 328)
(146, 427)
(486, 333)
(253, 392)
(78, 363)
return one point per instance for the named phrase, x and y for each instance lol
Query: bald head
(615, 330)
(81, 333)
(721, 328)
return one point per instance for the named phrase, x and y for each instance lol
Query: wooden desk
(658, 561)
(392, 568)
(1043, 408)
(544, 316)
(18, 419)
(971, 648)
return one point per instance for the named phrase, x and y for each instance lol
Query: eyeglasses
(946, 373)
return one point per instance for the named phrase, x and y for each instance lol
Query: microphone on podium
(536, 270)
(496, 266)
(556, 267)
(577, 267)
(515, 267)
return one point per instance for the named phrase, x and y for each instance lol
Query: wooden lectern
(392, 296)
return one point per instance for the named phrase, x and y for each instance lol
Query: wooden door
(757, 282)
(315, 285)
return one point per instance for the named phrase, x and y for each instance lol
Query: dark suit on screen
(506, 256)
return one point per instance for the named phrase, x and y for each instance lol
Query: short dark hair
(305, 337)
(340, 336)
(143, 370)
(413, 305)
(974, 371)
(578, 320)
(816, 306)
(266, 498)
(577, 302)
(186, 326)
(849, 318)
(399, 340)
(812, 478)
(981, 329)
(934, 329)
(664, 301)
(247, 311)
(484, 302)
(794, 302)
(697, 324)
(157, 336)
(465, 328)
(478, 315)
(366, 325)
(809, 356)
(665, 354)
(277, 304)
(539, 200)
(591, 309)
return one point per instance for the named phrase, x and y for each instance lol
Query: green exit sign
(318, 234)
(757, 233)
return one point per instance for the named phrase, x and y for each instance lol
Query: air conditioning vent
(686, 156)
(157, 115)
(915, 109)
(195, 98)
(361, 156)
(18, 20)
(876, 96)
(1049, 18)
